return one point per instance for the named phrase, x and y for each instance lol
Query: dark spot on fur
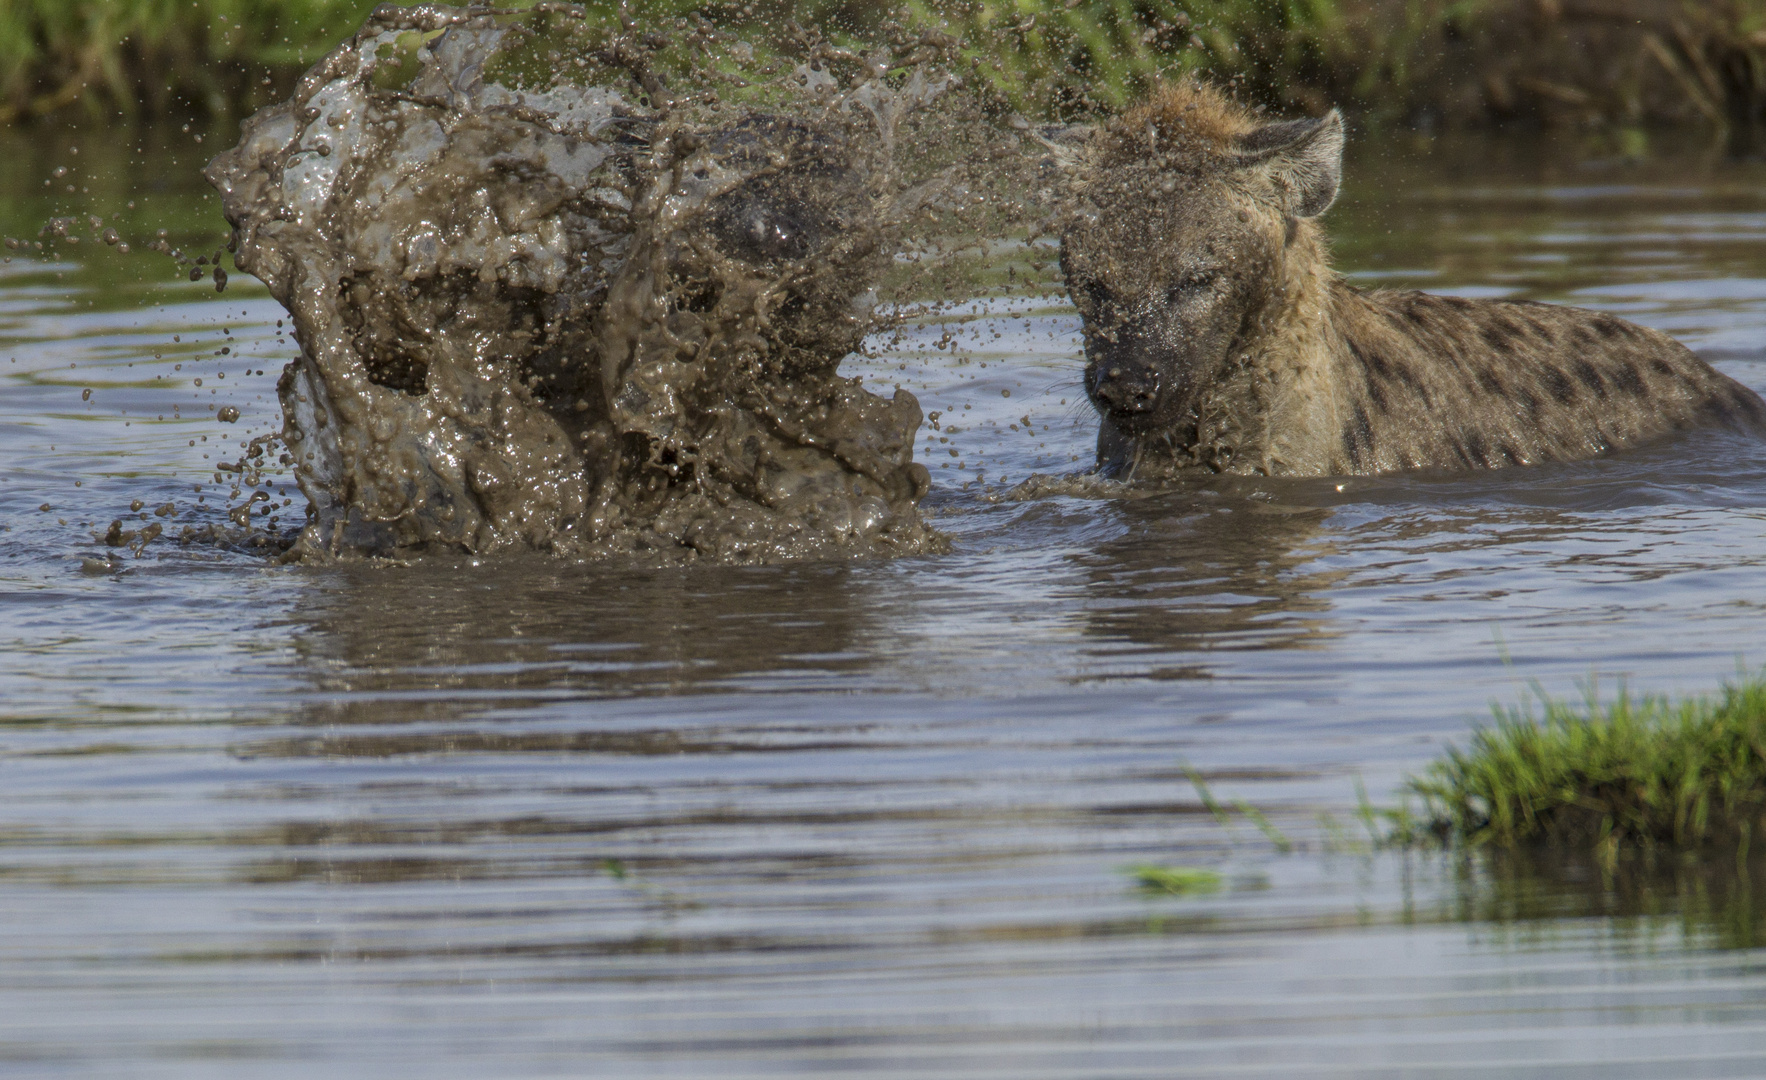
(1509, 453)
(1358, 438)
(1498, 337)
(1557, 384)
(1715, 410)
(1351, 447)
(1373, 370)
(1629, 379)
(1377, 394)
(1608, 327)
(1370, 360)
(1590, 377)
(1476, 449)
(1403, 373)
(1662, 367)
(1488, 380)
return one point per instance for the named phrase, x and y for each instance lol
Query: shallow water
(530, 817)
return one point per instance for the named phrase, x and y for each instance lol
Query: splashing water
(587, 289)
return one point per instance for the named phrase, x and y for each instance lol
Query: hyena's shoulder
(1447, 382)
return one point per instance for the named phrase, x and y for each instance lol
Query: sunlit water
(521, 817)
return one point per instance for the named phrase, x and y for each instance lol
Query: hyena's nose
(1128, 390)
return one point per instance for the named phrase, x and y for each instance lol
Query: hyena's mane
(1195, 128)
(1179, 120)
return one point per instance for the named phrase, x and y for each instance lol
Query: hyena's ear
(1303, 157)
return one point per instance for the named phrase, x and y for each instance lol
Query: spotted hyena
(1217, 336)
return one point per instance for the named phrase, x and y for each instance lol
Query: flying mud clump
(586, 289)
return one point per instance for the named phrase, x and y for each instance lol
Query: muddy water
(525, 816)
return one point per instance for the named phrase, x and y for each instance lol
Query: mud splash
(587, 289)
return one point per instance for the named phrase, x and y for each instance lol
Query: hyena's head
(1178, 245)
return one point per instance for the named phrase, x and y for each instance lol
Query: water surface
(519, 816)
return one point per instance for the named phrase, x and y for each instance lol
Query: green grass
(1049, 57)
(1634, 773)
(125, 57)
(1176, 880)
(1054, 58)
(1699, 61)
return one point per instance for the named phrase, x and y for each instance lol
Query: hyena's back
(1444, 382)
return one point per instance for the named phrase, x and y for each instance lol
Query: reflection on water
(527, 816)
(1224, 574)
(1653, 899)
(387, 645)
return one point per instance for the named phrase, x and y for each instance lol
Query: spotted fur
(1217, 335)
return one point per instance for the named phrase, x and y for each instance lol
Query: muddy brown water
(528, 816)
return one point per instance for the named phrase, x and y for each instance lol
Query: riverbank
(1418, 63)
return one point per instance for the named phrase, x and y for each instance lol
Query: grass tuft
(1635, 773)
(1177, 880)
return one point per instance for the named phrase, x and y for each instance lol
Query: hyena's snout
(1126, 390)
(1125, 377)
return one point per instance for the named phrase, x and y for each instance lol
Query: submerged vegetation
(1617, 63)
(1635, 773)
(1175, 880)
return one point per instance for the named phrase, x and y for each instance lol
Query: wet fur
(1310, 375)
